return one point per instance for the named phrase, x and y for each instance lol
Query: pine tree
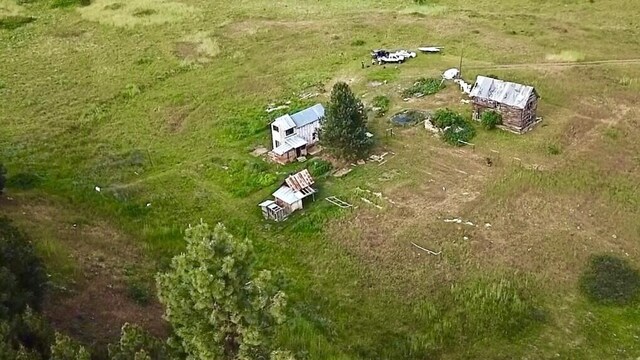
(65, 348)
(344, 131)
(218, 306)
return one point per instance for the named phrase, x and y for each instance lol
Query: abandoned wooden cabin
(288, 198)
(515, 102)
(295, 135)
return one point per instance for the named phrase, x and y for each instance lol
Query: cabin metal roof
(290, 143)
(284, 122)
(502, 92)
(308, 116)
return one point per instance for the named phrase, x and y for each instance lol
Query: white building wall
(296, 206)
(306, 132)
(276, 136)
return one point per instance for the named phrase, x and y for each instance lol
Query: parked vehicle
(406, 54)
(375, 54)
(391, 58)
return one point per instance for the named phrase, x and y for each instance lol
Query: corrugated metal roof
(284, 122)
(282, 149)
(286, 194)
(502, 92)
(307, 116)
(266, 203)
(300, 180)
(290, 143)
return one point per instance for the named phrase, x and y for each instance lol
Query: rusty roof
(300, 180)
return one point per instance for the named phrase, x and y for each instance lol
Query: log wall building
(515, 102)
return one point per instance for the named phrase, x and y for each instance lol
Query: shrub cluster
(424, 86)
(610, 280)
(381, 104)
(455, 129)
(491, 119)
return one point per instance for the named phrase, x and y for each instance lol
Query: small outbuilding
(516, 103)
(288, 198)
(295, 135)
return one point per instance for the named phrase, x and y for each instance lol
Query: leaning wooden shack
(288, 198)
(516, 103)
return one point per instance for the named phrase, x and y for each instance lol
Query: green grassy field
(160, 103)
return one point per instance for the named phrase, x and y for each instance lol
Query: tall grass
(476, 309)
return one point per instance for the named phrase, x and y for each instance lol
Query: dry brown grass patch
(95, 304)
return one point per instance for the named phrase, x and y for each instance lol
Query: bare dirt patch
(197, 48)
(565, 56)
(95, 304)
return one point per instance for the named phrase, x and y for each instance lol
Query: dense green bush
(455, 129)
(318, 167)
(424, 86)
(381, 103)
(610, 280)
(491, 119)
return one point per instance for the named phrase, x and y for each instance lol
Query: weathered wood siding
(307, 132)
(284, 158)
(289, 208)
(516, 119)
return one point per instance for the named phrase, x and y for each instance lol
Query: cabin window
(275, 128)
(277, 143)
(289, 132)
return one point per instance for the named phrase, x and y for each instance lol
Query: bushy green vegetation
(610, 280)
(318, 167)
(491, 119)
(381, 104)
(424, 86)
(456, 130)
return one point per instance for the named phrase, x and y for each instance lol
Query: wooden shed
(515, 102)
(288, 198)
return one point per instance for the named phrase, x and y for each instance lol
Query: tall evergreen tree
(218, 306)
(344, 131)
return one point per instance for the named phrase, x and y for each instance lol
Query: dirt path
(557, 64)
